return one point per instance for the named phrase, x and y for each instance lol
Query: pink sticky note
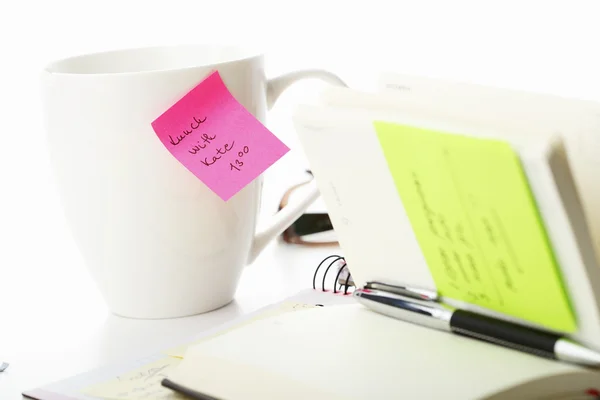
(217, 139)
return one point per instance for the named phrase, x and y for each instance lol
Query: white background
(544, 46)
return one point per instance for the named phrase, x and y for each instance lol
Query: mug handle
(291, 212)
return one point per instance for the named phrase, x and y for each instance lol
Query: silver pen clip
(407, 291)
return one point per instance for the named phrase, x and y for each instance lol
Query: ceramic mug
(157, 241)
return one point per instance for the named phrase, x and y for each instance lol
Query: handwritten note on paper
(217, 139)
(282, 308)
(477, 223)
(141, 383)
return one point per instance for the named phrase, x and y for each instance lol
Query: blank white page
(349, 352)
(363, 204)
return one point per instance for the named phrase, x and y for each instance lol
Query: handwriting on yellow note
(141, 383)
(282, 308)
(477, 222)
(145, 382)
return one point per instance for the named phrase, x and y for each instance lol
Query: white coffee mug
(158, 242)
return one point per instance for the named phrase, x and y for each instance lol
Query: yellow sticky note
(141, 383)
(477, 223)
(284, 307)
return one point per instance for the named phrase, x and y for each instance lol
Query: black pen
(440, 316)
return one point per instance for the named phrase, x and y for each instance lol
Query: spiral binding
(342, 278)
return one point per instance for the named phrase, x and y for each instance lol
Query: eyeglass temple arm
(282, 219)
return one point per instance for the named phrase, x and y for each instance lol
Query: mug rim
(87, 64)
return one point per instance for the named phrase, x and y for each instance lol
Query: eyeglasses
(311, 229)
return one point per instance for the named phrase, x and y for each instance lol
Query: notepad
(477, 222)
(141, 383)
(144, 382)
(216, 138)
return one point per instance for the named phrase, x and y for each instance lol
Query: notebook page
(353, 353)
(354, 181)
(477, 222)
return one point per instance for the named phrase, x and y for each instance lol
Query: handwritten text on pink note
(217, 139)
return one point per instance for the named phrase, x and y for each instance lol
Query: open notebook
(394, 254)
(546, 275)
